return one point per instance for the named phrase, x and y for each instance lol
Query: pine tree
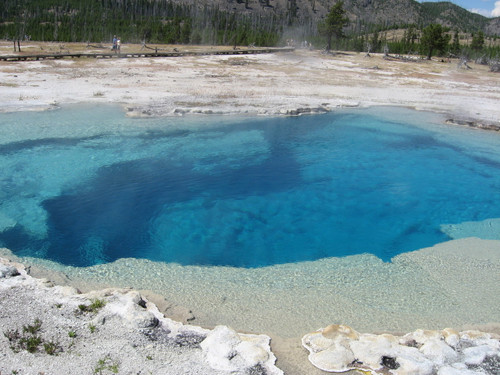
(455, 44)
(333, 25)
(477, 43)
(434, 38)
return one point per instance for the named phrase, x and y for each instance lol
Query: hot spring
(86, 185)
(275, 225)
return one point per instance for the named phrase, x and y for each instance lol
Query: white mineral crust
(338, 348)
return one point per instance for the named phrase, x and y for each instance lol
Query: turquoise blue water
(87, 185)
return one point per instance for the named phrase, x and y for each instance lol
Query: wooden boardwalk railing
(111, 55)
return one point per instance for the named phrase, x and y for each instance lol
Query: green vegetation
(106, 364)
(34, 328)
(334, 24)
(30, 339)
(92, 328)
(477, 41)
(434, 38)
(51, 347)
(253, 22)
(450, 13)
(159, 21)
(94, 307)
(30, 343)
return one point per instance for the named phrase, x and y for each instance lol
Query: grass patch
(52, 347)
(30, 340)
(33, 328)
(30, 343)
(106, 364)
(94, 307)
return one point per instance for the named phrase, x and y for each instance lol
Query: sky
(488, 8)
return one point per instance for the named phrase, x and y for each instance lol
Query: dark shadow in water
(119, 203)
(109, 216)
(420, 141)
(44, 142)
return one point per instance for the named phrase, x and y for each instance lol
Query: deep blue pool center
(85, 186)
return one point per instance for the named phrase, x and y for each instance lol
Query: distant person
(115, 43)
(118, 44)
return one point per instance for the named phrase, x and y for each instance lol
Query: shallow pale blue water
(86, 185)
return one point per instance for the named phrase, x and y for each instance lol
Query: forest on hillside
(179, 22)
(160, 21)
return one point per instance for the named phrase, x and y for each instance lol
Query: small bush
(106, 364)
(30, 343)
(94, 307)
(34, 328)
(13, 336)
(51, 347)
(30, 340)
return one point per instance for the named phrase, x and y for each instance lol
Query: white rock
(451, 337)
(452, 370)
(331, 336)
(337, 359)
(439, 352)
(126, 305)
(251, 353)
(412, 362)
(474, 335)
(8, 271)
(475, 355)
(226, 350)
(370, 349)
(340, 348)
(219, 347)
(316, 342)
(339, 332)
(420, 336)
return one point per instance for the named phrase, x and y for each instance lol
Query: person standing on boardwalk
(115, 43)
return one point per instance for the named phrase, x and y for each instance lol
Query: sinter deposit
(55, 330)
(339, 348)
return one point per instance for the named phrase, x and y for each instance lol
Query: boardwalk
(111, 55)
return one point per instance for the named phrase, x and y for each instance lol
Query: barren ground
(280, 83)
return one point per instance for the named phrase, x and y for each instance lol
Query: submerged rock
(339, 348)
(474, 124)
